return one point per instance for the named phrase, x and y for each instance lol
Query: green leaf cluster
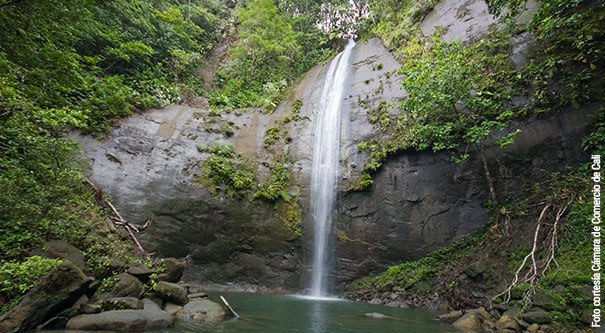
(276, 187)
(228, 169)
(17, 278)
(273, 49)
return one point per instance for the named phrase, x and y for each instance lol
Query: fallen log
(119, 220)
(229, 307)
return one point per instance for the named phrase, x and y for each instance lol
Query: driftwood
(50, 321)
(118, 219)
(229, 307)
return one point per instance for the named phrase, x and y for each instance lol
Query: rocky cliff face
(150, 165)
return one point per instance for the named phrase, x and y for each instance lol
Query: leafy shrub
(17, 278)
(226, 168)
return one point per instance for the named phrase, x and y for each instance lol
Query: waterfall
(326, 162)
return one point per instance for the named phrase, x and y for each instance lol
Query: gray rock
(154, 298)
(150, 305)
(174, 270)
(141, 271)
(536, 317)
(58, 290)
(475, 269)
(122, 320)
(172, 292)
(469, 321)
(533, 328)
(91, 307)
(545, 301)
(450, 317)
(172, 308)
(197, 295)
(63, 250)
(121, 303)
(202, 310)
(507, 322)
(126, 285)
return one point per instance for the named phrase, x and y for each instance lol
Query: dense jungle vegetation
(460, 94)
(83, 64)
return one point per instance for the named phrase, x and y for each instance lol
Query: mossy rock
(537, 317)
(172, 292)
(548, 302)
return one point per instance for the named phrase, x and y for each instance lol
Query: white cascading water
(326, 162)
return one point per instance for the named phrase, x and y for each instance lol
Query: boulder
(172, 292)
(174, 270)
(172, 308)
(121, 303)
(122, 320)
(63, 250)
(450, 317)
(533, 328)
(507, 322)
(202, 310)
(58, 290)
(154, 298)
(475, 269)
(469, 321)
(150, 305)
(547, 302)
(197, 295)
(126, 285)
(536, 317)
(141, 271)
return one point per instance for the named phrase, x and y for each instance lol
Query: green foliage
(409, 273)
(456, 94)
(226, 168)
(272, 136)
(396, 22)
(291, 214)
(228, 129)
(273, 50)
(567, 68)
(18, 277)
(276, 187)
(595, 141)
(296, 109)
(81, 64)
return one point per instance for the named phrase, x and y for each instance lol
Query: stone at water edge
(197, 295)
(122, 320)
(469, 321)
(450, 317)
(58, 290)
(203, 310)
(172, 292)
(172, 308)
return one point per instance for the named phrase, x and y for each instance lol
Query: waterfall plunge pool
(282, 313)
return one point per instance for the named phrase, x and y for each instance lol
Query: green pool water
(279, 313)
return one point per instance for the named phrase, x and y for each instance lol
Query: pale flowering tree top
(342, 18)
